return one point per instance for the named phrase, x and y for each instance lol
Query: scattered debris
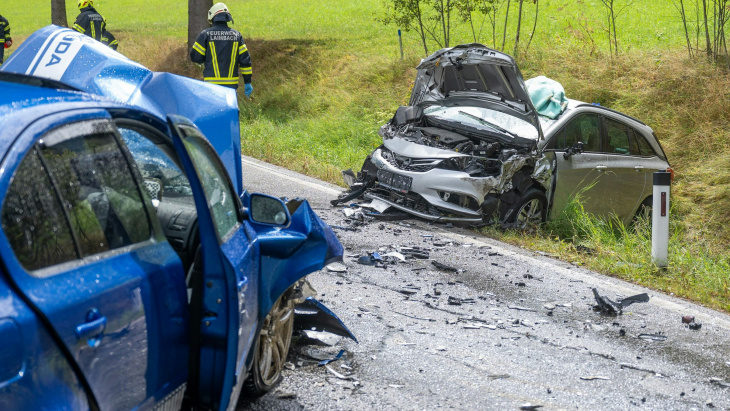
(709, 404)
(395, 255)
(414, 317)
(370, 259)
(653, 337)
(530, 407)
(283, 395)
(517, 307)
(407, 291)
(585, 250)
(498, 376)
(460, 301)
(289, 366)
(377, 205)
(594, 377)
(396, 386)
(444, 267)
(606, 306)
(337, 268)
(338, 375)
(333, 359)
(720, 382)
(637, 368)
(691, 323)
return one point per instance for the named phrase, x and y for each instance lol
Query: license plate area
(394, 181)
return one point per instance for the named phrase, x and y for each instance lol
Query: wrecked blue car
(135, 270)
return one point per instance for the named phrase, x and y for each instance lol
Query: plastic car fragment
(313, 315)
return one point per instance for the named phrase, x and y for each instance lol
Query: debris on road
(333, 359)
(460, 301)
(609, 307)
(637, 368)
(370, 259)
(691, 323)
(518, 308)
(653, 337)
(530, 407)
(337, 268)
(283, 395)
(337, 374)
(594, 377)
(444, 267)
(720, 382)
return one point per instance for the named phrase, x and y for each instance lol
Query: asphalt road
(509, 329)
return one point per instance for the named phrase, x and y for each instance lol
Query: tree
(58, 13)
(407, 14)
(197, 18)
(613, 11)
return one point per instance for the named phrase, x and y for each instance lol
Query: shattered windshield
(484, 119)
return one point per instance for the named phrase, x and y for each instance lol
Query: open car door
(223, 277)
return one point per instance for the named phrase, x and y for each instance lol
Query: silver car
(471, 148)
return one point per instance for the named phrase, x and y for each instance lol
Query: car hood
(72, 58)
(474, 75)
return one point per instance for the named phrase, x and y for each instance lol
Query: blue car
(135, 270)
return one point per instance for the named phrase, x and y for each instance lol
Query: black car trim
(612, 111)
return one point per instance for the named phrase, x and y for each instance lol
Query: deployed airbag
(548, 96)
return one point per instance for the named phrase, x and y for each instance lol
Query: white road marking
(309, 184)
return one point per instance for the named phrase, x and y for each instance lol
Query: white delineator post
(660, 219)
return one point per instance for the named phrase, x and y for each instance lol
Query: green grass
(327, 76)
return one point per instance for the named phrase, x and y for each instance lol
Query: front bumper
(435, 187)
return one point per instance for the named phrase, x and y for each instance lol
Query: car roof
(22, 103)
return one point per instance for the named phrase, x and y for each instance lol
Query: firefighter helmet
(85, 3)
(216, 9)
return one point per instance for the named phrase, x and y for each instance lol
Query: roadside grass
(327, 76)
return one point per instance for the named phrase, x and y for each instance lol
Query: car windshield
(483, 119)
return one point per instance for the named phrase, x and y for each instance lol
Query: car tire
(643, 214)
(271, 349)
(530, 209)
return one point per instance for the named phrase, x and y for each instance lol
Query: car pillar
(660, 219)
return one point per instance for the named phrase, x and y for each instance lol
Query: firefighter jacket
(223, 51)
(108, 39)
(90, 22)
(4, 36)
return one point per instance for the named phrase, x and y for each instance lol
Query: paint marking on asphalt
(310, 184)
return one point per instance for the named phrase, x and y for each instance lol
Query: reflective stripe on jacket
(108, 39)
(224, 54)
(90, 22)
(4, 35)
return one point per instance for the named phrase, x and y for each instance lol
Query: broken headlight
(472, 165)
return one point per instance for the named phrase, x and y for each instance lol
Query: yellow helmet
(216, 9)
(85, 3)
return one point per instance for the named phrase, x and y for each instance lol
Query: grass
(327, 76)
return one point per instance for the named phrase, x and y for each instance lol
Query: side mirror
(269, 211)
(576, 149)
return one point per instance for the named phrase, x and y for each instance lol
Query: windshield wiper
(487, 123)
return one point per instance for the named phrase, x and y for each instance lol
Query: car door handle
(91, 328)
(601, 168)
(638, 168)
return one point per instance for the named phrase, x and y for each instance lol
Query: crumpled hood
(474, 75)
(72, 58)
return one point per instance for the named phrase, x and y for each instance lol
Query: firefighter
(89, 21)
(108, 38)
(223, 51)
(5, 40)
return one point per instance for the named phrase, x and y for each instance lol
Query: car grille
(420, 165)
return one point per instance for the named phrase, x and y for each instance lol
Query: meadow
(327, 75)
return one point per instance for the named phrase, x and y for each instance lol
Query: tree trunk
(58, 13)
(197, 18)
(519, 24)
(707, 30)
(506, 20)
(534, 25)
(686, 31)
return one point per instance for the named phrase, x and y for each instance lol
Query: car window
(584, 128)
(154, 163)
(644, 147)
(213, 177)
(33, 219)
(98, 191)
(618, 140)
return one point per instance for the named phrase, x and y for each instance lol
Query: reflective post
(400, 41)
(660, 219)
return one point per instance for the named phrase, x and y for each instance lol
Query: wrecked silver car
(472, 148)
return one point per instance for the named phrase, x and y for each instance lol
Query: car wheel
(643, 214)
(271, 348)
(530, 209)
